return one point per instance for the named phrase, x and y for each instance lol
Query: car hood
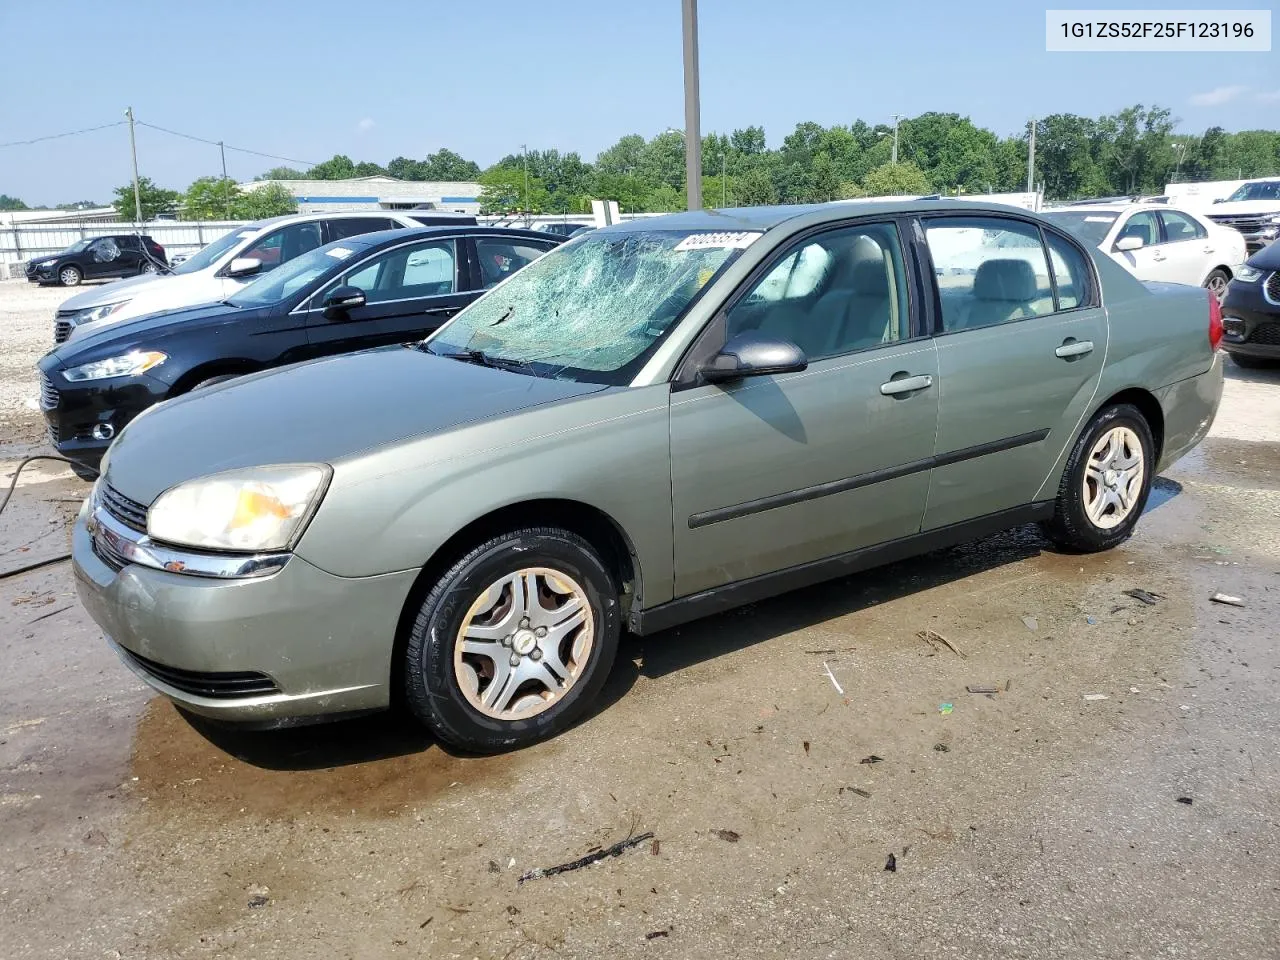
(41, 261)
(1268, 258)
(99, 340)
(1237, 208)
(317, 412)
(117, 290)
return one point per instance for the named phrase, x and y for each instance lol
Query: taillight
(159, 248)
(1215, 321)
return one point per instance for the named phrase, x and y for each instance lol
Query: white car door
(1187, 248)
(1151, 260)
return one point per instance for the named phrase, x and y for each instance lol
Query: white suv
(1155, 241)
(227, 264)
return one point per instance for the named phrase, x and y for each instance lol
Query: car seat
(1002, 291)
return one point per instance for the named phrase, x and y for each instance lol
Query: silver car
(656, 421)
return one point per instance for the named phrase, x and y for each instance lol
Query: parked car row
(651, 422)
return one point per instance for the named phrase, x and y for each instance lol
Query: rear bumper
(298, 644)
(1189, 407)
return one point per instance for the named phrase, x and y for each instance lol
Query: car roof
(766, 218)
(383, 238)
(349, 214)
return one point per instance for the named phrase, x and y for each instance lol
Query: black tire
(1251, 363)
(147, 267)
(431, 686)
(70, 276)
(1217, 278)
(1071, 528)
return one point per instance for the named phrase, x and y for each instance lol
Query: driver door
(774, 472)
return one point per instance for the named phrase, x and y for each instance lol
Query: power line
(58, 136)
(218, 143)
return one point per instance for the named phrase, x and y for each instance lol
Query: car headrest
(1005, 280)
(870, 279)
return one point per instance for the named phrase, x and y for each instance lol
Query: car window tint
(1143, 226)
(1070, 272)
(354, 226)
(405, 273)
(1178, 226)
(283, 245)
(500, 257)
(989, 270)
(837, 292)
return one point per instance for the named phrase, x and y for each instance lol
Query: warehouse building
(377, 193)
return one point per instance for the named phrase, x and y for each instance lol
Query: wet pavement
(1046, 819)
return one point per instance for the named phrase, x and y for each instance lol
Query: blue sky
(385, 77)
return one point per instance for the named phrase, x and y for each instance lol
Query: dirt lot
(1040, 821)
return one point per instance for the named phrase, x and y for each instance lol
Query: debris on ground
(616, 850)
(1187, 800)
(865, 794)
(872, 759)
(1150, 599)
(655, 934)
(730, 836)
(942, 748)
(493, 867)
(1134, 690)
(1227, 599)
(1031, 623)
(805, 744)
(1096, 696)
(935, 638)
(655, 847)
(258, 900)
(1092, 621)
(946, 708)
(982, 688)
(891, 865)
(832, 677)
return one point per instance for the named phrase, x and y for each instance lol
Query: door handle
(1074, 348)
(1209, 249)
(906, 385)
(1158, 257)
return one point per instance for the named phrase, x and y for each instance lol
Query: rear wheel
(1106, 482)
(514, 641)
(70, 276)
(146, 267)
(1216, 283)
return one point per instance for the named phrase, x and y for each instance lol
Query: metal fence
(23, 241)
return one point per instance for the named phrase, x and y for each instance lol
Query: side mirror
(1220, 200)
(244, 267)
(1129, 243)
(340, 300)
(753, 354)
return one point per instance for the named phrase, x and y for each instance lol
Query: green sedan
(657, 421)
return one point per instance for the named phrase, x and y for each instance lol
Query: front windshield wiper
(480, 358)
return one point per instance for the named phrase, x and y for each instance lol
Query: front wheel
(513, 642)
(70, 276)
(1216, 283)
(1106, 482)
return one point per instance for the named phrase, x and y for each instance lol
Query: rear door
(774, 472)
(1187, 247)
(1021, 340)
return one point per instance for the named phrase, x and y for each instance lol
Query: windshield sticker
(717, 241)
(339, 253)
(1098, 219)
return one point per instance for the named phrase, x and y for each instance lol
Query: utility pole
(724, 178)
(524, 147)
(133, 149)
(897, 118)
(692, 133)
(226, 194)
(1031, 158)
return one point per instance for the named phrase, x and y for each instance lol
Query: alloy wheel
(1113, 477)
(69, 276)
(524, 643)
(1217, 285)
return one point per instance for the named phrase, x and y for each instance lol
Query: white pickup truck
(1253, 209)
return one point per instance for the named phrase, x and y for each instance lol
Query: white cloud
(365, 125)
(1218, 96)
(1270, 96)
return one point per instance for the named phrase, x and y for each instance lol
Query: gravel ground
(1038, 821)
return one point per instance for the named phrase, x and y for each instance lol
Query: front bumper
(300, 643)
(1251, 322)
(73, 411)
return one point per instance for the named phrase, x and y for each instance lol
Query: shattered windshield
(593, 310)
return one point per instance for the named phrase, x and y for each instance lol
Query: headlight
(126, 365)
(99, 313)
(1247, 273)
(255, 509)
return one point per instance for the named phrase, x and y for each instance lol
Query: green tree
(282, 173)
(749, 141)
(449, 166)
(337, 167)
(623, 157)
(366, 169)
(753, 188)
(154, 200)
(896, 179)
(272, 200)
(11, 203)
(665, 198)
(502, 190)
(210, 198)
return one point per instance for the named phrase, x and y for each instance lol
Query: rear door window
(1178, 226)
(354, 226)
